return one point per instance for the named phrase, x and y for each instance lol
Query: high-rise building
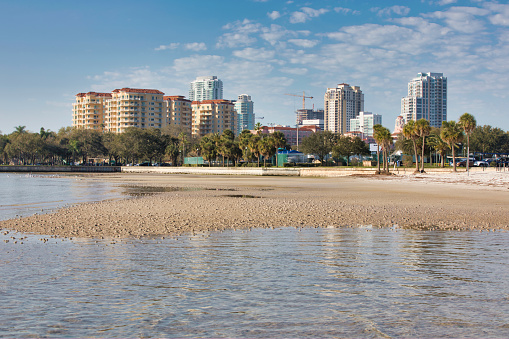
(364, 123)
(213, 116)
(245, 112)
(342, 104)
(178, 111)
(426, 99)
(130, 107)
(89, 109)
(206, 88)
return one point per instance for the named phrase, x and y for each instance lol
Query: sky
(51, 50)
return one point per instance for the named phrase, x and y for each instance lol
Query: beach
(190, 204)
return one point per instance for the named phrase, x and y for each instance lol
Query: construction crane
(303, 96)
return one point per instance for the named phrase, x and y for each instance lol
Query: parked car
(481, 163)
(463, 163)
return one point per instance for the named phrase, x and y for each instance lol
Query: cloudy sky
(52, 50)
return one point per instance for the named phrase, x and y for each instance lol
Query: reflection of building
(245, 112)
(130, 107)
(342, 104)
(213, 116)
(291, 133)
(309, 114)
(88, 110)
(426, 99)
(206, 88)
(178, 111)
(364, 123)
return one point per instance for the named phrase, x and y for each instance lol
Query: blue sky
(52, 50)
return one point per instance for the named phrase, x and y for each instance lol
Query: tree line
(419, 138)
(171, 144)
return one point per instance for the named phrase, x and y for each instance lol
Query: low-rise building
(89, 109)
(213, 116)
(178, 111)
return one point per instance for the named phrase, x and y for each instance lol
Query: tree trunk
(422, 156)
(453, 157)
(378, 157)
(468, 153)
(416, 157)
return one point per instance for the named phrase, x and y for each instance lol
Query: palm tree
(409, 133)
(468, 123)
(451, 133)
(438, 145)
(279, 141)
(422, 129)
(267, 148)
(383, 137)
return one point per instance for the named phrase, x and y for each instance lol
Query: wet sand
(201, 203)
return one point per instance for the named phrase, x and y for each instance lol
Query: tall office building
(206, 88)
(245, 112)
(342, 104)
(426, 99)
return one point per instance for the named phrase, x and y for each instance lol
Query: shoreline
(204, 203)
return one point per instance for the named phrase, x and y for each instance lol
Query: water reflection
(354, 282)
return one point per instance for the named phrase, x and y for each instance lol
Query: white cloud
(388, 11)
(191, 46)
(305, 14)
(173, 45)
(502, 14)
(255, 54)
(196, 46)
(446, 2)
(303, 42)
(461, 19)
(345, 10)
(276, 33)
(134, 77)
(295, 71)
(240, 35)
(274, 15)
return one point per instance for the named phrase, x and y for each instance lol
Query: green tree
(319, 143)
(244, 139)
(440, 146)
(348, 146)
(468, 124)
(383, 138)
(422, 129)
(267, 148)
(409, 132)
(279, 142)
(254, 146)
(451, 133)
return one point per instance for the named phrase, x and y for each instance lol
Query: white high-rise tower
(426, 99)
(245, 112)
(206, 88)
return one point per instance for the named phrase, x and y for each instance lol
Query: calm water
(352, 282)
(27, 194)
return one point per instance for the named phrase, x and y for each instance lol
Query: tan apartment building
(89, 109)
(342, 104)
(178, 111)
(130, 107)
(213, 116)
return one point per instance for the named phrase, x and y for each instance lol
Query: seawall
(65, 169)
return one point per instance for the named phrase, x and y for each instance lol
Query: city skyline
(53, 50)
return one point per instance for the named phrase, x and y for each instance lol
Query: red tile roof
(138, 90)
(175, 97)
(94, 93)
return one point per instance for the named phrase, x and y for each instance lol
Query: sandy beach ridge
(190, 204)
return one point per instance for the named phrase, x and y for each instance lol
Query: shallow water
(352, 282)
(27, 194)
